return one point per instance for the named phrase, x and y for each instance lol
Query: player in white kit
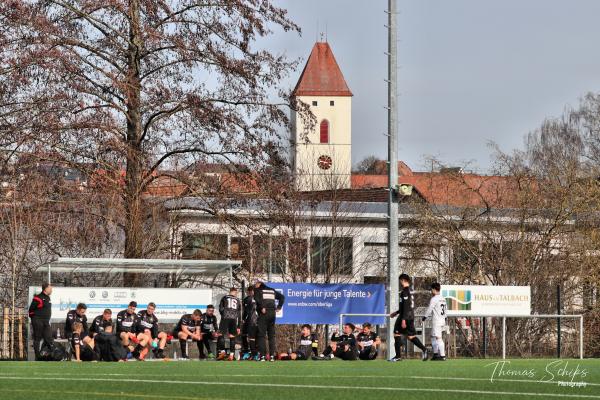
(437, 312)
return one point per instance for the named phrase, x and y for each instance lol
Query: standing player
(437, 312)
(148, 329)
(268, 302)
(188, 327)
(101, 322)
(309, 345)
(368, 343)
(230, 308)
(405, 324)
(209, 330)
(126, 326)
(249, 327)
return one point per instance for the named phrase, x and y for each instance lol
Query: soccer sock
(252, 344)
(232, 345)
(442, 347)
(200, 348)
(220, 344)
(398, 345)
(418, 343)
(183, 345)
(434, 345)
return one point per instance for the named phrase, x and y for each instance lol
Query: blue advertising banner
(308, 303)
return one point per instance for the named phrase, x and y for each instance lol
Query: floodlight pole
(392, 250)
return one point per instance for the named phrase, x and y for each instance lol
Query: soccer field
(453, 379)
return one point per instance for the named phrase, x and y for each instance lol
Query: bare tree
(139, 86)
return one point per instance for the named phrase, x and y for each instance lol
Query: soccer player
(80, 350)
(405, 324)
(127, 321)
(268, 302)
(188, 327)
(230, 308)
(309, 345)
(437, 312)
(368, 343)
(40, 311)
(249, 327)
(209, 330)
(78, 315)
(342, 346)
(101, 322)
(148, 334)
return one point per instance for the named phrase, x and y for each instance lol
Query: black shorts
(408, 331)
(301, 356)
(229, 326)
(368, 353)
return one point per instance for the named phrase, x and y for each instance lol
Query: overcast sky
(471, 71)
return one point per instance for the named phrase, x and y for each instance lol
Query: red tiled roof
(321, 75)
(464, 190)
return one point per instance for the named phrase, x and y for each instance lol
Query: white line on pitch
(283, 385)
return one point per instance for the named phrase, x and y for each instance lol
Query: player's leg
(271, 334)
(159, 351)
(261, 333)
(183, 337)
(232, 330)
(397, 340)
(411, 333)
(37, 338)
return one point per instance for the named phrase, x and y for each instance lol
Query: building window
(332, 103)
(324, 128)
(314, 103)
(204, 246)
(331, 256)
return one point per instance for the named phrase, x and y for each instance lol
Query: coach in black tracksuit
(40, 311)
(268, 302)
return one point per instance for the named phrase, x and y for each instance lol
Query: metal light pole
(392, 250)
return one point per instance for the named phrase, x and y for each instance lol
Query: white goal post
(504, 317)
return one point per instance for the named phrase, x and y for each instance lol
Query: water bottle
(174, 355)
(58, 333)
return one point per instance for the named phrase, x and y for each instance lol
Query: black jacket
(40, 306)
(268, 298)
(406, 311)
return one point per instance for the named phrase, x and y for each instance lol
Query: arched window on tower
(324, 131)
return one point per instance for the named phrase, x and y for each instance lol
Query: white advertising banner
(465, 300)
(171, 304)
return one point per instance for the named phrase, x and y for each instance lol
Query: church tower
(322, 152)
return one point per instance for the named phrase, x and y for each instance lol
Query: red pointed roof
(321, 75)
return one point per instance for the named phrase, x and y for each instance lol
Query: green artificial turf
(307, 380)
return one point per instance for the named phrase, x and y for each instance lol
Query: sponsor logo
(457, 300)
(92, 294)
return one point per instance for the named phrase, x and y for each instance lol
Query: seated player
(149, 335)
(368, 343)
(188, 327)
(230, 308)
(209, 330)
(80, 351)
(78, 315)
(309, 345)
(126, 326)
(101, 322)
(108, 346)
(342, 346)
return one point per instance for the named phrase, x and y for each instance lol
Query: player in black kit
(405, 324)
(230, 308)
(126, 326)
(268, 302)
(147, 328)
(368, 343)
(78, 315)
(188, 327)
(249, 328)
(101, 322)
(209, 329)
(342, 346)
(309, 345)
